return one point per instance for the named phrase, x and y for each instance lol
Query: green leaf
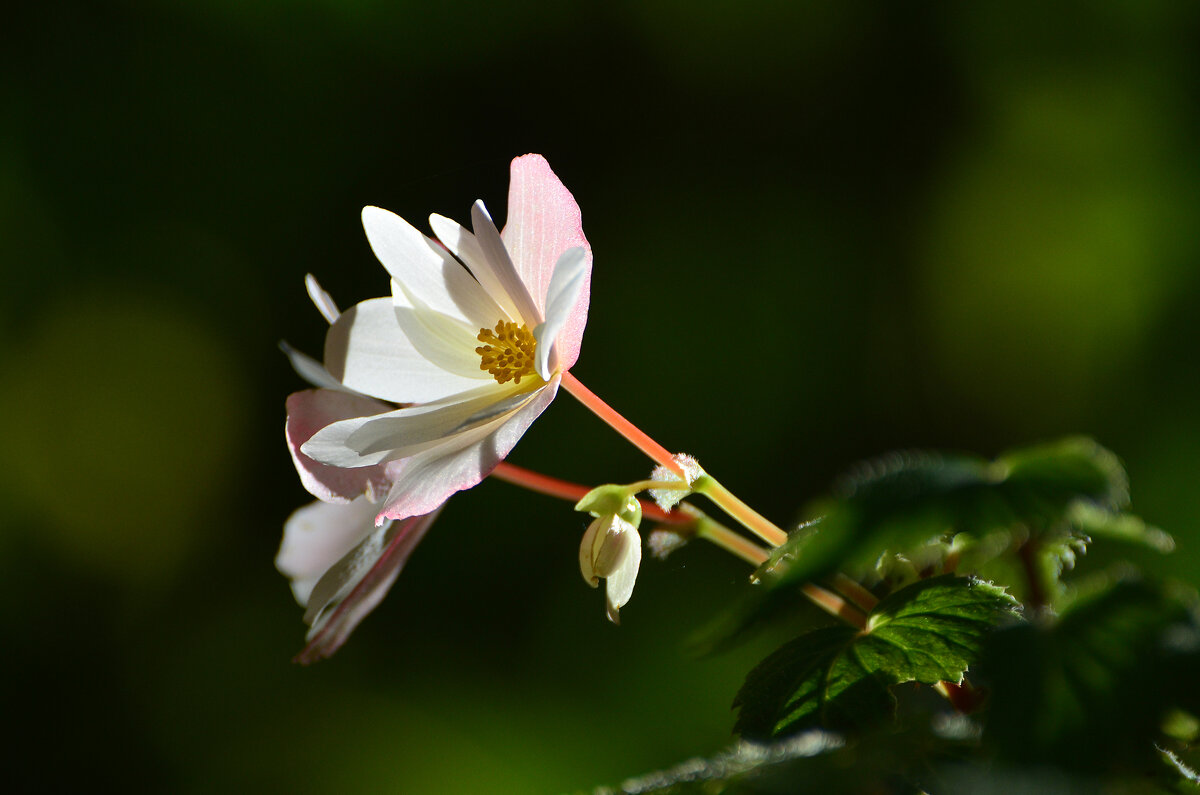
(1093, 521)
(906, 501)
(1038, 478)
(1090, 691)
(838, 677)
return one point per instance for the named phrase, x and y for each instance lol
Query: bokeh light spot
(122, 422)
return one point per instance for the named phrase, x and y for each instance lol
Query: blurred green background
(822, 230)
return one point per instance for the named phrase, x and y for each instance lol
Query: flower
(476, 334)
(611, 548)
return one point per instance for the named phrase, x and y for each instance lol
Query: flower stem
(726, 539)
(636, 435)
(835, 605)
(751, 519)
(574, 492)
(865, 600)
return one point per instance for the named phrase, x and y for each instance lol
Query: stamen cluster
(507, 351)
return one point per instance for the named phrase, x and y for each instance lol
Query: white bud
(611, 549)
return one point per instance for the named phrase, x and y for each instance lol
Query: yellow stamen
(507, 352)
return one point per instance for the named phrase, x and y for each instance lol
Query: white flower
(478, 339)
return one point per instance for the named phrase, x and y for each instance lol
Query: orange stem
(634, 434)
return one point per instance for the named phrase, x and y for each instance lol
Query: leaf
(838, 677)
(905, 501)
(1090, 691)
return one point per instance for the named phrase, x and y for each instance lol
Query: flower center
(507, 351)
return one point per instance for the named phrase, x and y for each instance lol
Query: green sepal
(612, 499)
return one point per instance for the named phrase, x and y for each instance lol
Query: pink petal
(429, 478)
(543, 222)
(310, 411)
(334, 625)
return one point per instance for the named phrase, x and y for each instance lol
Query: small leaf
(838, 677)
(1094, 521)
(1039, 477)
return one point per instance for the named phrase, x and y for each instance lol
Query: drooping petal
(309, 412)
(367, 441)
(543, 222)
(619, 585)
(426, 269)
(502, 267)
(429, 478)
(317, 536)
(321, 299)
(347, 593)
(465, 246)
(368, 351)
(565, 285)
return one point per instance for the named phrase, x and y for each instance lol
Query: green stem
(726, 539)
(749, 518)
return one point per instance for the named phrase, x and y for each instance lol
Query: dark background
(822, 230)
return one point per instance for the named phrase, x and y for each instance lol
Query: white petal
(429, 478)
(365, 441)
(321, 299)
(444, 340)
(619, 585)
(414, 430)
(501, 265)
(337, 582)
(613, 547)
(570, 272)
(346, 594)
(311, 370)
(426, 269)
(367, 350)
(317, 536)
(465, 246)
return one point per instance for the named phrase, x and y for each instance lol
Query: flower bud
(612, 548)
